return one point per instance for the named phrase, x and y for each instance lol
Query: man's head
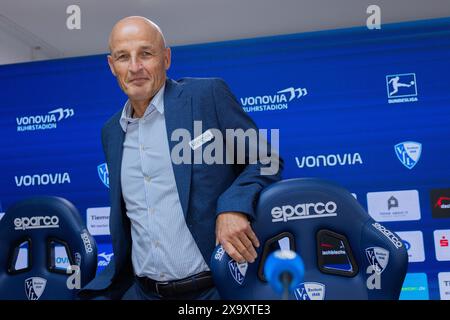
(138, 57)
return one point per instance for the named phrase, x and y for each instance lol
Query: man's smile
(138, 81)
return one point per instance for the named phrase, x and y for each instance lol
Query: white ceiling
(195, 21)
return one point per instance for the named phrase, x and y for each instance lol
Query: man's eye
(121, 57)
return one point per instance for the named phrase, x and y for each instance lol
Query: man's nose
(135, 65)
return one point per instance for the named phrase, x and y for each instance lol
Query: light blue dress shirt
(163, 248)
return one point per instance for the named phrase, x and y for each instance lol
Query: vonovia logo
(278, 101)
(34, 287)
(401, 88)
(310, 291)
(43, 121)
(378, 258)
(103, 174)
(329, 160)
(44, 179)
(408, 153)
(238, 270)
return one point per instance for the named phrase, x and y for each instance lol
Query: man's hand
(234, 233)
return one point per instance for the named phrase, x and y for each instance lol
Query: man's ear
(111, 65)
(167, 58)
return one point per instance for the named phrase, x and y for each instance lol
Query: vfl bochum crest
(238, 270)
(103, 173)
(408, 153)
(378, 258)
(34, 287)
(310, 291)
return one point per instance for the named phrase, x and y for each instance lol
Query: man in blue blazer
(169, 210)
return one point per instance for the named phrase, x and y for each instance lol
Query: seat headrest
(347, 255)
(39, 238)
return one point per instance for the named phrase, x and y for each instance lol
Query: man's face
(138, 59)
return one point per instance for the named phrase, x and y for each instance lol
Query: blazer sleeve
(243, 193)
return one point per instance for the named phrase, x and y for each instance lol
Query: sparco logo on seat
(304, 211)
(39, 222)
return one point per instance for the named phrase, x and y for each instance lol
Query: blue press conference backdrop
(369, 109)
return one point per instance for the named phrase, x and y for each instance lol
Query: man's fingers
(246, 249)
(244, 246)
(234, 232)
(252, 237)
(232, 252)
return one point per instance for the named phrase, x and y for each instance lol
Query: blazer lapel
(114, 149)
(178, 114)
(116, 152)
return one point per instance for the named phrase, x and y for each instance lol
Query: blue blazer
(204, 190)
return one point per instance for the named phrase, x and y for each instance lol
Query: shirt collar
(157, 103)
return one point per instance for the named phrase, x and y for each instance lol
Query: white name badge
(201, 139)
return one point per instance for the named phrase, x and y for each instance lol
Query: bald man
(166, 217)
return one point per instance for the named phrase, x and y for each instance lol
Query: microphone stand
(286, 279)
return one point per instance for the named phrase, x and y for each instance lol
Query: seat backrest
(39, 238)
(346, 254)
